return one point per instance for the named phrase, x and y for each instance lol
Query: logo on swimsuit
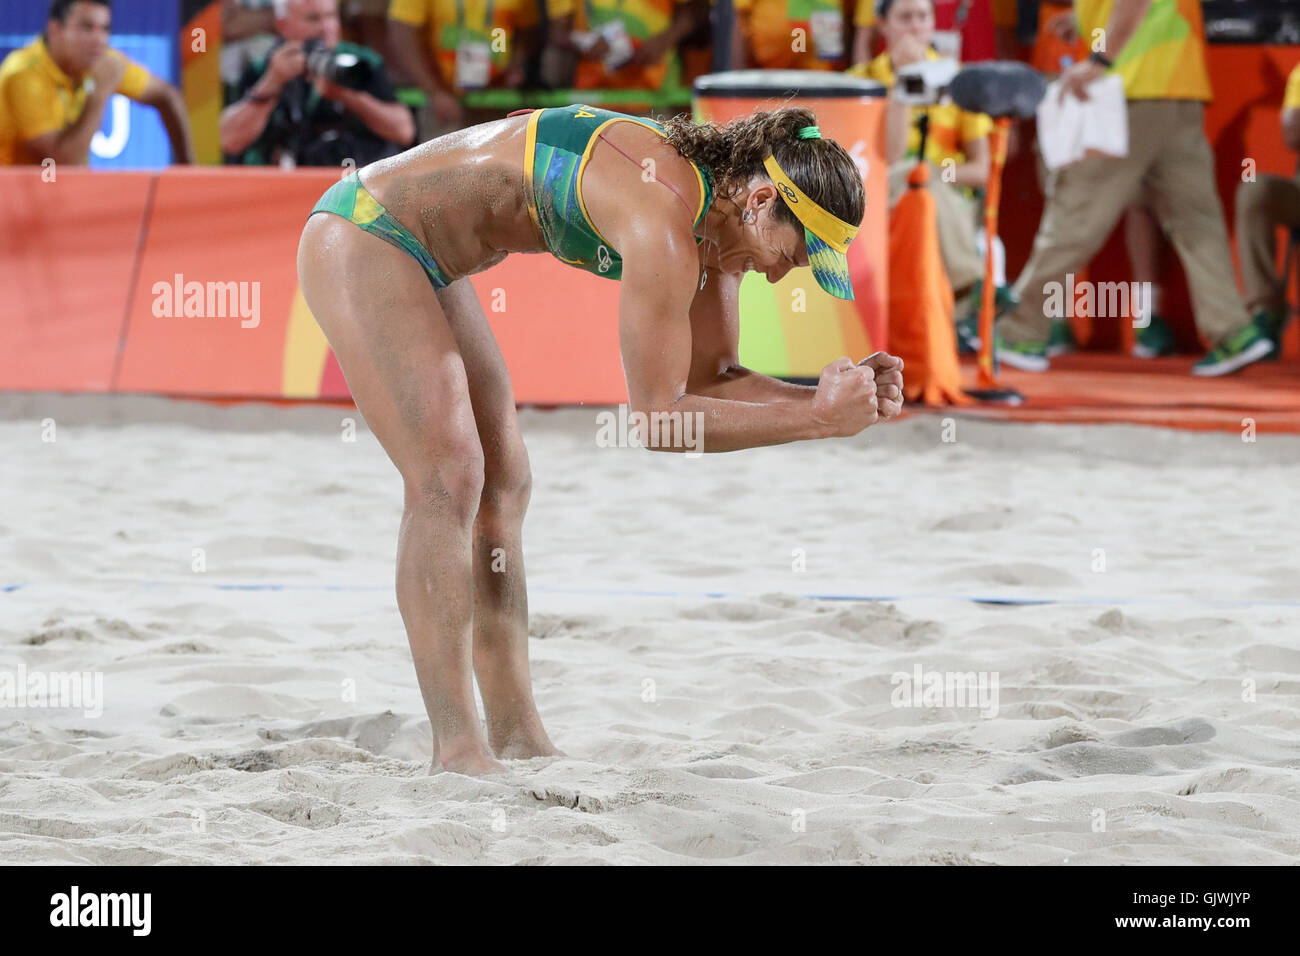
(603, 261)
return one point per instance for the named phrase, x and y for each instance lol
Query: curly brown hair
(734, 153)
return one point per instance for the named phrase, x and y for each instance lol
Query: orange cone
(921, 329)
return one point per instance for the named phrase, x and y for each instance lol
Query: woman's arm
(660, 269)
(975, 171)
(716, 371)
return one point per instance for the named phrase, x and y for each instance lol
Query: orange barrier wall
(67, 248)
(93, 257)
(97, 259)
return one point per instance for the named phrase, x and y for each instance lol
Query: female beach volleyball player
(678, 213)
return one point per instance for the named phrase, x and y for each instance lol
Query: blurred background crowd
(338, 82)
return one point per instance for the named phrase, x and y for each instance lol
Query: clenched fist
(845, 402)
(889, 382)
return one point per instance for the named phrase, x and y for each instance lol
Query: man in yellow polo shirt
(1262, 206)
(53, 91)
(1158, 48)
(446, 47)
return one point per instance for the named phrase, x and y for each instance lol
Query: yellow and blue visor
(827, 236)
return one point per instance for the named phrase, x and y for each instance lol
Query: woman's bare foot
(525, 746)
(473, 763)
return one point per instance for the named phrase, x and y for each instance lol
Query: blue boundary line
(996, 600)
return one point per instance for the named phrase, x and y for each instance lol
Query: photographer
(313, 100)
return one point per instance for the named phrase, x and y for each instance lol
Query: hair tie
(809, 132)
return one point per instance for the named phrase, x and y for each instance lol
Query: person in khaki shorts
(1158, 48)
(1262, 206)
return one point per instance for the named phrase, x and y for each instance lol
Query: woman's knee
(507, 485)
(448, 481)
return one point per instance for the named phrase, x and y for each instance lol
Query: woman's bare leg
(500, 595)
(399, 357)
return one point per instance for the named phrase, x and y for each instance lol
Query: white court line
(997, 599)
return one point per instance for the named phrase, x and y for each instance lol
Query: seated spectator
(290, 112)
(963, 29)
(1262, 206)
(53, 91)
(446, 47)
(957, 145)
(617, 47)
(783, 35)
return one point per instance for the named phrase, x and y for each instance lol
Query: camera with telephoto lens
(926, 82)
(328, 63)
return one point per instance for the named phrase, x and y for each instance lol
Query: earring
(748, 216)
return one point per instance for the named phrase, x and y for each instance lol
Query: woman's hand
(845, 402)
(906, 51)
(888, 371)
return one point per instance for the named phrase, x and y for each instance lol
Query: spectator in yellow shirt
(53, 91)
(957, 143)
(622, 44)
(789, 34)
(1262, 206)
(446, 47)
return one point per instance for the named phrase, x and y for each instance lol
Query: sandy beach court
(735, 651)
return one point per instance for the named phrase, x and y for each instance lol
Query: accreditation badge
(473, 64)
(827, 33)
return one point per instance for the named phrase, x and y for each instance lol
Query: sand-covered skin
(1149, 715)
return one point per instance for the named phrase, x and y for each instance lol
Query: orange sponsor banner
(216, 283)
(68, 241)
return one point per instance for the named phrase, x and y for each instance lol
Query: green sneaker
(1155, 340)
(1026, 356)
(1246, 345)
(968, 336)
(1060, 338)
(1004, 300)
(968, 327)
(1271, 322)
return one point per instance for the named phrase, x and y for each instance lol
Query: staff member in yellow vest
(1158, 48)
(957, 145)
(790, 34)
(622, 44)
(53, 92)
(1262, 206)
(447, 47)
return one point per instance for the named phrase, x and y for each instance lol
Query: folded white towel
(1070, 128)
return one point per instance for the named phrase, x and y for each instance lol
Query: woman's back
(545, 181)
